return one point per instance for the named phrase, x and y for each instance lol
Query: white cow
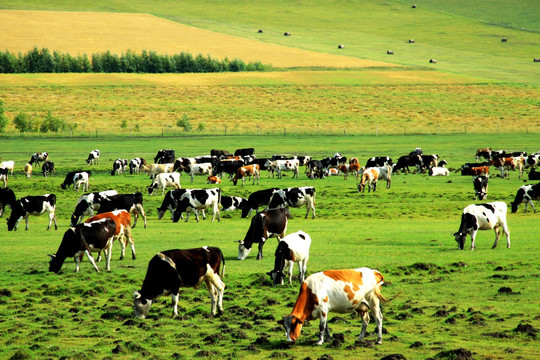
(293, 248)
(154, 169)
(200, 169)
(438, 171)
(283, 165)
(9, 165)
(163, 180)
(80, 179)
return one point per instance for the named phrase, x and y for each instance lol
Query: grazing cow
(534, 175)
(405, 161)
(231, 203)
(122, 218)
(198, 199)
(256, 199)
(244, 152)
(93, 157)
(482, 217)
(80, 179)
(334, 161)
(119, 166)
(165, 156)
(429, 160)
(480, 184)
(32, 205)
(475, 171)
(369, 177)
(347, 168)
(83, 239)
(170, 201)
(135, 165)
(207, 159)
(88, 203)
(265, 224)
(200, 169)
(170, 270)
(9, 165)
(219, 153)
(213, 180)
(504, 164)
(70, 178)
(315, 169)
(154, 169)
(379, 161)
(130, 202)
(28, 170)
(283, 165)
(341, 291)
(47, 168)
(293, 248)
(182, 164)
(37, 157)
(163, 180)
(526, 194)
(228, 166)
(3, 176)
(248, 170)
(438, 171)
(7, 197)
(483, 153)
(294, 197)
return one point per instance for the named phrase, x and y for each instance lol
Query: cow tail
(222, 274)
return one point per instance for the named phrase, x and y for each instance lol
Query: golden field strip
(95, 32)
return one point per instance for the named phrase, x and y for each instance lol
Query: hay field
(92, 32)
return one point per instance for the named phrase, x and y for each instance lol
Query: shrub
(184, 123)
(52, 124)
(24, 123)
(3, 118)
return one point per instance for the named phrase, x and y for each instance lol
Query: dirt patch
(208, 354)
(416, 344)
(338, 320)
(457, 354)
(527, 329)
(394, 357)
(5, 292)
(213, 339)
(337, 340)
(507, 291)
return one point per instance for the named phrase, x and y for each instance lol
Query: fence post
(345, 131)
(225, 130)
(317, 129)
(258, 130)
(96, 133)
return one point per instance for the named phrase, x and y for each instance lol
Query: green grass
(449, 299)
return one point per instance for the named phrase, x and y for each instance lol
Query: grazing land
(450, 302)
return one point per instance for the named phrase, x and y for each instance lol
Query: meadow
(452, 304)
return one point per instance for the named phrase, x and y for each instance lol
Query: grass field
(449, 299)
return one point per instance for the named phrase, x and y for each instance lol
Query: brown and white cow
(122, 218)
(371, 175)
(213, 180)
(475, 170)
(504, 164)
(340, 291)
(247, 171)
(350, 168)
(28, 170)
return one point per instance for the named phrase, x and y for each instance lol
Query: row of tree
(44, 61)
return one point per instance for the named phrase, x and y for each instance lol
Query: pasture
(450, 302)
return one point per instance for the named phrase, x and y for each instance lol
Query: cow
(170, 270)
(256, 199)
(198, 199)
(163, 180)
(248, 170)
(3, 176)
(182, 164)
(331, 172)
(341, 291)
(135, 165)
(483, 153)
(130, 202)
(88, 203)
(231, 203)
(293, 248)
(170, 201)
(213, 180)
(475, 171)
(80, 179)
(334, 161)
(199, 169)
(534, 175)
(83, 239)
(164, 156)
(28, 170)
(9, 165)
(122, 218)
(480, 184)
(229, 167)
(378, 161)
(37, 157)
(369, 177)
(154, 169)
(347, 168)
(7, 197)
(482, 217)
(315, 169)
(47, 168)
(32, 205)
(119, 166)
(429, 160)
(219, 153)
(294, 197)
(70, 178)
(526, 194)
(265, 224)
(405, 161)
(283, 165)
(93, 157)
(532, 160)
(504, 164)
(438, 171)
(244, 152)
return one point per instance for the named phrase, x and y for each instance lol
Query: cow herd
(353, 290)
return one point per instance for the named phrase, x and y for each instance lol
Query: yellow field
(92, 32)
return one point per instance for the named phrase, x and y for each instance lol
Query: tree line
(45, 61)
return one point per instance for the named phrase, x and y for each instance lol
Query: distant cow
(504, 164)
(283, 165)
(378, 161)
(265, 224)
(153, 169)
(244, 152)
(256, 199)
(219, 153)
(88, 203)
(47, 168)
(342, 291)
(200, 169)
(130, 202)
(165, 156)
(406, 161)
(247, 171)
(135, 165)
(3, 176)
(294, 197)
(71, 179)
(350, 168)
(8, 165)
(213, 180)
(293, 248)
(480, 184)
(438, 171)
(164, 180)
(483, 153)
(370, 176)
(119, 166)
(169, 202)
(32, 205)
(93, 157)
(315, 169)
(228, 167)
(475, 171)
(37, 157)
(198, 199)
(534, 175)
(482, 217)
(28, 170)
(170, 270)
(7, 197)
(231, 203)
(526, 194)
(122, 218)
(83, 239)
(80, 179)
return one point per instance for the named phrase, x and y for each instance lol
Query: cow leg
(497, 234)
(365, 323)
(26, 220)
(77, 259)
(377, 314)
(324, 331)
(92, 261)
(108, 254)
(532, 205)
(174, 299)
(507, 234)
(129, 237)
(213, 296)
(473, 238)
(260, 253)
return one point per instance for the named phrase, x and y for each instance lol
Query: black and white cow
(315, 169)
(482, 217)
(165, 156)
(430, 161)
(293, 248)
(48, 168)
(334, 161)
(3, 175)
(534, 175)
(480, 184)
(406, 161)
(198, 199)
(170, 270)
(93, 157)
(130, 202)
(7, 197)
(32, 205)
(72, 177)
(256, 199)
(170, 201)
(37, 157)
(200, 169)
(88, 203)
(83, 239)
(231, 203)
(244, 152)
(379, 161)
(526, 194)
(119, 166)
(265, 224)
(294, 197)
(532, 160)
(164, 180)
(136, 164)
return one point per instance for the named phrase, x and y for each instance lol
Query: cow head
(276, 276)
(141, 305)
(515, 206)
(17, 213)
(468, 224)
(293, 327)
(55, 264)
(243, 251)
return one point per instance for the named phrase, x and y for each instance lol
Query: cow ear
(52, 256)
(281, 322)
(136, 294)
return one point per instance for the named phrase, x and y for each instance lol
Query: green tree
(184, 123)
(24, 123)
(3, 118)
